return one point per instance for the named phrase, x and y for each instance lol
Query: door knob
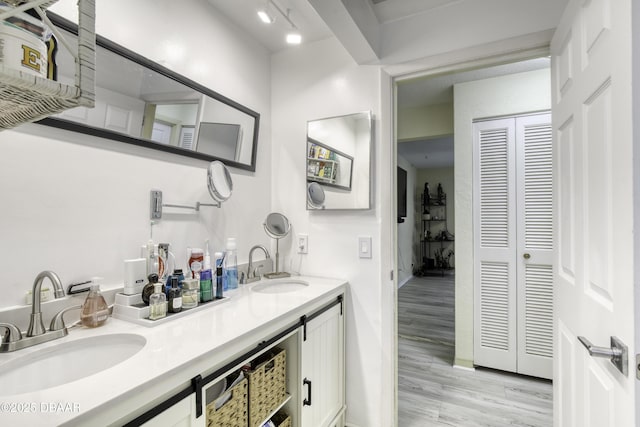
(526, 256)
(617, 353)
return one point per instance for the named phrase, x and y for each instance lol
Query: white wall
(507, 95)
(80, 205)
(306, 87)
(409, 230)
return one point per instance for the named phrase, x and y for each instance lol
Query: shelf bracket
(156, 205)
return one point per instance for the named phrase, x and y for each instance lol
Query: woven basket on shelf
(267, 387)
(234, 412)
(25, 97)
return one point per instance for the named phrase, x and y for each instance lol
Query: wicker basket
(234, 412)
(267, 387)
(281, 419)
(25, 97)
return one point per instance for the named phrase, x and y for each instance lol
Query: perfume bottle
(157, 303)
(175, 297)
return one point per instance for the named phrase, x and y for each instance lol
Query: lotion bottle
(230, 266)
(95, 310)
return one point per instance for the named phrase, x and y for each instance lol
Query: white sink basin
(67, 362)
(280, 286)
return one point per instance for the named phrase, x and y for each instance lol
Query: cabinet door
(179, 415)
(322, 381)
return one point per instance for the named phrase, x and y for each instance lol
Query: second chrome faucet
(252, 273)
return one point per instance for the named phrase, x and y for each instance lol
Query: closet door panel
(534, 245)
(494, 244)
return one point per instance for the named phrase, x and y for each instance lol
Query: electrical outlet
(303, 243)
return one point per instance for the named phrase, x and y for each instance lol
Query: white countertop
(175, 352)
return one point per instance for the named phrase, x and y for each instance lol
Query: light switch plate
(303, 243)
(364, 247)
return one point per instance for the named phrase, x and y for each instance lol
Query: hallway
(432, 393)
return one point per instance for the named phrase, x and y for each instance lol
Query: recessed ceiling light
(266, 17)
(294, 37)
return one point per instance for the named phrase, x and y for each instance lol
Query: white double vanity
(125, 373)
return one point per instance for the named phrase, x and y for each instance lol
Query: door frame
(507, 51)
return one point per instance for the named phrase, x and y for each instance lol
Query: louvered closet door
(513, 242)
(535, 245)
(494, 245)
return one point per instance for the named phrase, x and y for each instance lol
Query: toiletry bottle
(149, 288)
(176, 273)
(219, 257)
(187, 271)
(190, 293)
(219, 286)
(157, 303)
(196, 261)
(152, 259)
(94, 310)
(175, 297)
(206, 285)
(230, 266)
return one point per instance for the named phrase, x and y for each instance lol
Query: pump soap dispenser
(95, 310)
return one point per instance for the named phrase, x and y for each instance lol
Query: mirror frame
(122, 51)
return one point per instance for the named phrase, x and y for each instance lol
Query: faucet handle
(57, 322)
(12, 333)
(256, 271)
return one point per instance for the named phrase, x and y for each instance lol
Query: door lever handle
(617, 353)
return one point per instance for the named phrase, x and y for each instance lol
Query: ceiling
(400, 31)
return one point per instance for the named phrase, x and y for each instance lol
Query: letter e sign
(31, 58)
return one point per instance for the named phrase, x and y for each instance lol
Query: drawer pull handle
(307, 401)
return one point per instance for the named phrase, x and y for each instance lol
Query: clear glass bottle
(190, 293)
(175, 297)
(230, 266)
(95, 310)
(157, 303)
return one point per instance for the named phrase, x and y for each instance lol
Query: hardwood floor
(433, 393)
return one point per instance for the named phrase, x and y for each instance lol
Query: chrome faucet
(36, 327)
(251, 272)
(13, 339)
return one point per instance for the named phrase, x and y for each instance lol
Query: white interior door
(593, 176)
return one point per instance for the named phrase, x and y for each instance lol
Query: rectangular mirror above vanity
(141, 102)
(338, 162)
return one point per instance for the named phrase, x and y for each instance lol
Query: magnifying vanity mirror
(338, 158)
(277, 226)
(143, 103)
(219, 181)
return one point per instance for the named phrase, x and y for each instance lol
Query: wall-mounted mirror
(143, 103)
(338, 162)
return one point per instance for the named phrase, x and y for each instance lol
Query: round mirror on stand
(277, 226)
